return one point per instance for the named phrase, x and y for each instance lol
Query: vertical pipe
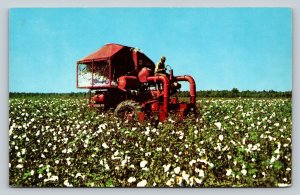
(165, 81)
(192, 87)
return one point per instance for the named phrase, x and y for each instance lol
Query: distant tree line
(234, 93)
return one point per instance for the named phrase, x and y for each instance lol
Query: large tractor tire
(128, 110)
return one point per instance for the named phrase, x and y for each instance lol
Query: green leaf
(109, 183)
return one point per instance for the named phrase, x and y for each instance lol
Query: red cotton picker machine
(126, 80)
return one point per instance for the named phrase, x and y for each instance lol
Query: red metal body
(122, 78)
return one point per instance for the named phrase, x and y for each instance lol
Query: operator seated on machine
(160, 68)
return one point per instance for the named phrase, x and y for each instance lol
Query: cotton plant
(55, 142)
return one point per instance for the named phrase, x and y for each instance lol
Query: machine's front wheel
(128, 110)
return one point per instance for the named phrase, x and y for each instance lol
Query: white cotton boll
(285, 179)
(143, 163)
(142, 183)
(243, 166)
(159, 149)
(116, 153)
(211, 164)
(254, 148)
(104, 145)
(284, 185)
(123, 162)
(147, 131)
(221, 137)
(244, 172)
(273, 159)
(278, 148)
(199, 181)
(185, 176)
(228, 172)
(166, 167)
(66, 183)
(131, 179)
(218, 125)
(192, 162)
(201, 173)
(177, 170)
(169, 182)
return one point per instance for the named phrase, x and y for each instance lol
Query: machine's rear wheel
(128, 110)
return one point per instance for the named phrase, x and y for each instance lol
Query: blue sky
(222, 48)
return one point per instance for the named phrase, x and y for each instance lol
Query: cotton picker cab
(122, 78)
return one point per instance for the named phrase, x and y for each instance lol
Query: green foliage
(234, 93)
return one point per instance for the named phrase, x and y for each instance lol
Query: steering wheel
(168, 68)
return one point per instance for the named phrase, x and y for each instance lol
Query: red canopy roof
(106, 51)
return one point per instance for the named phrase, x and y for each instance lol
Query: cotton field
(60, 142)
